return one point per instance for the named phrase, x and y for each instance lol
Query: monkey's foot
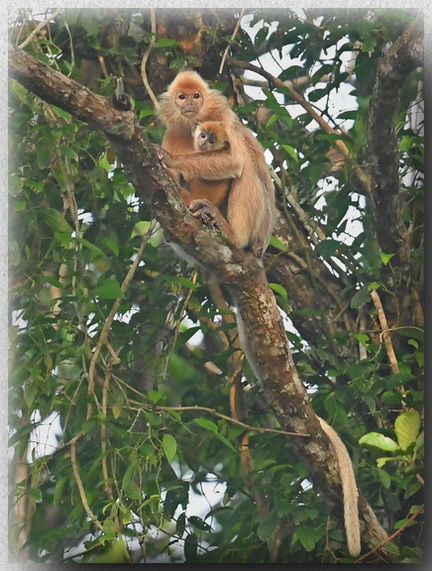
(204, 209)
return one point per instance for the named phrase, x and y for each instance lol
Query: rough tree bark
(403, 57)
(242, 273)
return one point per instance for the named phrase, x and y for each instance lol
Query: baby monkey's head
(210, 136)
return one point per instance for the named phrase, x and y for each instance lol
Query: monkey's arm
(217, 165)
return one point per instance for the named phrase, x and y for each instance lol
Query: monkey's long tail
(349, 487)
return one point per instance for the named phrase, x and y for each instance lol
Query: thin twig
(236, 29)
(177, 326)
(80, 485)
(229, 419)
(103, 337)
(145, 59)
(391, 537)
(39, 28)
(81, 553)
(315, 232)
(103, 427)
(385, 332)
(363, 177)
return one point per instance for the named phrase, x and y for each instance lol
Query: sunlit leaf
(379, 441)
(407, 427)
(169, 446)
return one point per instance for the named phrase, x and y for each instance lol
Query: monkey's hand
(163, 156)
(204, 209)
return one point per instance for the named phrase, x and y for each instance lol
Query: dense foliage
(127, 445)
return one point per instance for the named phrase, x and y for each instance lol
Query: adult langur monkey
(250, 209)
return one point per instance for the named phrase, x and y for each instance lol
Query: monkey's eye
(202, 136)
(196, 95)
(182, 96)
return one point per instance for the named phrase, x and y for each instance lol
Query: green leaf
(58, 490)
(155, 396)
(97, 252)
(146, 112)
(407, 428)
(392, 548)
(291, 151)
(267, 527)
(360, 298)
(186, 282)
(384, 479)
(109, 289)
(413, 332)
(306, 536)
(184, 336)
(385, 258)
(382, 461)
(141, 228)
(199, 523)
(207, 424)
(261, 36)
(181, 524)
(273, 118)
(362, 338)
(116, 410)
(191, 547)
(29, 394)
(212, 427)
(111, 245)
(169, 446)
(104, 162)
(328, 248)
(129, 485)
(165, 43)
(35, 493)
(419, 442)
(411, 489)
(379, 441)
(276, 243)
(279, 289)
(55, 220)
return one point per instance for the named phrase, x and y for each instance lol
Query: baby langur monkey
(208, 136)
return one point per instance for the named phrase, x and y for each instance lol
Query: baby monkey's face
(209, 136)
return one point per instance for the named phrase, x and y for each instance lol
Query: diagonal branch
(362, 176)
(260, 323)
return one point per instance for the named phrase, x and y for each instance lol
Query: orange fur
(208, 136)
(250, 208)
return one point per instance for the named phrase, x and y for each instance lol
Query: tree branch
(362, 176)
(260, 322)
(403, 57)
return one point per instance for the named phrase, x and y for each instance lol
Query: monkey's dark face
(204, 141)
(207, 135)
(189, 103)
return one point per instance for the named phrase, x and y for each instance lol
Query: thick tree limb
(403, 57)
(243, 274)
